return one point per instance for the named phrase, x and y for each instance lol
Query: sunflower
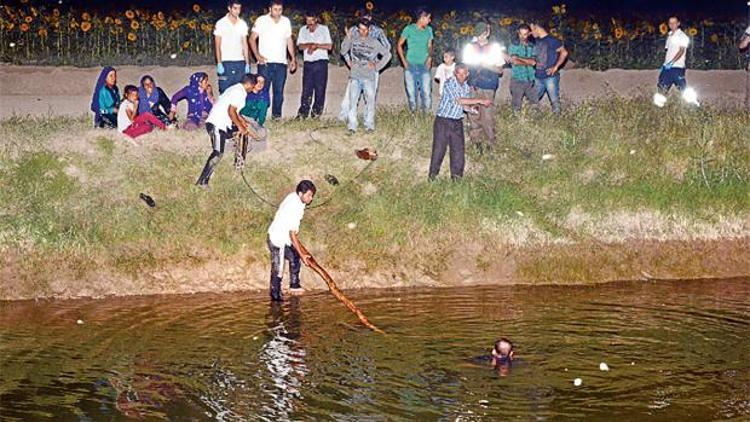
(185, 45)
(555, 10)
(192, 24)
(56, 13)
(619, 33)
(134, 25)
(28, 19)
(196, 8)
(714, 38)
(24, 27)
(129, 14)
(108, 20)
(118, 21)
(85, 26)
(663, 28)
(42, 32)
(692, 32)
(506, 21)
(86, 16)
(132, 37)
(369, 6)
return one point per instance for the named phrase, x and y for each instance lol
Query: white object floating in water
(632, 363)
(566, 369)
(255, 337)
(632, 152)
(173, 56)
(603, 367)
(546, 157)
(660, 100)
(351, 226)
(577, 382)
(79, 322)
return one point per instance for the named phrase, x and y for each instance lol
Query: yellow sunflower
(692, 32)
(56, 13)
(506, 21)
(663, 28)
(24, 27)
(86, 16)
(192, 24)
(85, 26)
(42, 33)
(134, 25)
(129, 14)
(369, 6)
(619, 33)
(108, 20)
(28, 19)
(714, 38)
(185, 45)
(196, 8)
(118, 21)
(132, 37)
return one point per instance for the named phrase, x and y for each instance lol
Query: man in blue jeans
(363, 52)
(275, 33)
(230, 39)
(550, 56)
(417, 60)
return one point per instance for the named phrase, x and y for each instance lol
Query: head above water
(503, 349)
(306, 191)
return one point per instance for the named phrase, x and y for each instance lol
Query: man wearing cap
(485, 63)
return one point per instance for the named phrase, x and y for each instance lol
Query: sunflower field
(35, 34)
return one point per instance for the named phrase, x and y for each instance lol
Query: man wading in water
(283, 241)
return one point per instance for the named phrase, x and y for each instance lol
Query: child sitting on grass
(129, 122)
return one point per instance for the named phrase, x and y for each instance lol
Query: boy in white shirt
(219, 124)
(673, 70)
(230, 39)
(446, 68)
(283, 240)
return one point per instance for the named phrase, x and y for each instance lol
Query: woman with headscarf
(152, 99)
(200, 100)
(105, 100)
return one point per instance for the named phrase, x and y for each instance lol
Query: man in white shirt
(232, 55)
(315, 42)
(283, 240)
(219, 124)
(673, 70)
(271, 40)
(745, 46)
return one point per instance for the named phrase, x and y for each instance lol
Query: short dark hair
(306, 185)
(309, 13)
(250, 78)
(364, 22)
(537, 23)
(272, 3)
(421, 11)
(523, 26)
(450, 50)
(231, 3)
(364, 13)
(128, 89)
(500, 341)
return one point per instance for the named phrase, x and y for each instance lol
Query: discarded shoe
(367, 154)
(331, 179)
(148, 200)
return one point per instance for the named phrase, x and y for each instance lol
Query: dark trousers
(520, 89)
(314, 82)
(447, 133)
(668, 77)
(291, 255)
(233, 73)
(275, 74)
(218, 142)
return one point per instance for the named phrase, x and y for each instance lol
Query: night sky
(695, 8)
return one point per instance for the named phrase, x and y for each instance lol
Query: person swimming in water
(502, 356)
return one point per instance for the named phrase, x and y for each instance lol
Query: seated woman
(200, 100)
(106, 99)
(152, 99)
(256, 104)
(132, 123)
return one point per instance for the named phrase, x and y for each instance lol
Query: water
(676, 351)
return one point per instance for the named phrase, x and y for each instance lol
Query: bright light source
(12, 45)
(690, 96)
(660, 100)
(173, 56)
(492, 56)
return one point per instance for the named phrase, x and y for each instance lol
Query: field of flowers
(44, 35)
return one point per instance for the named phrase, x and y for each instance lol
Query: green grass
(82, 203)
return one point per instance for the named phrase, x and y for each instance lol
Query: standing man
(379, 35)
(550, 56)
(283, 241)
(485, 63)
(744, 44)
(673, 69)
(417, 60)
(223, 115)
(315, 42)
(523, 61)
(275, 33)
(448, 129)
(364, 65)
(230, 40)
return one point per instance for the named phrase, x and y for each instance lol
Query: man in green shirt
(417, 60)
(523, 60)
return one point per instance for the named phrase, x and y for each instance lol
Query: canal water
(674, 351)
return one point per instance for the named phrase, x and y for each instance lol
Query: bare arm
(400, 51)
(346, 46)
(132, 112)
(474, 101)
(300, 248)
(293, 53)
(680, 53)
(239, 122)
(562, 54)
(217, 44)
(744, 42)
(254, 48)
(428, 62)
(245, 50)
(522, 62)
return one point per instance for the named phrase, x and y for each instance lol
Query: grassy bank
(615, 172)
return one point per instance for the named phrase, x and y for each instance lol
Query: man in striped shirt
(448, 129)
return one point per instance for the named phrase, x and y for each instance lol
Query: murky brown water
(676, 351)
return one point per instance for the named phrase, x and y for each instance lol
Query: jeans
(668, 77)
(520, 89)
(314, 82)
(275, 74)
(233, 73)
(417, 79)
(291, 255)
(218, 139)
(551, 86)
(357, 87)
(447, 133)
(346, 104)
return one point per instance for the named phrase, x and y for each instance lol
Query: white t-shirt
(287, 218)
(320, 36)
(272, 37)
(235, 95)
(747, 31)
(443, 73)
(675, 41)
(232, 37)
(123, 121)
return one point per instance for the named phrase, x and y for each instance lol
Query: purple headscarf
(100, 83)
(198, 102)
(145, 101)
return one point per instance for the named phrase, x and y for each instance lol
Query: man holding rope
(283, 242)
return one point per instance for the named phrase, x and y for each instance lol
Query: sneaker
(351, 132)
